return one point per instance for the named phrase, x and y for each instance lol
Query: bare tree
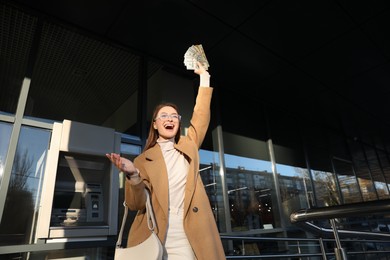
(20, 171)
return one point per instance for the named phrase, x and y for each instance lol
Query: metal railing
(345, 244)
(377, 207)
(307, 248)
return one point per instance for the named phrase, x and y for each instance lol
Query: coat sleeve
(135, 197)
(201, 116)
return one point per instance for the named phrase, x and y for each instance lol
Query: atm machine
(80, 187)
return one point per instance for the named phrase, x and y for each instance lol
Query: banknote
(193, 54)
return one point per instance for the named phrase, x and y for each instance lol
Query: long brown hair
(153, 133)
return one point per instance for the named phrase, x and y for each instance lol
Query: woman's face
(167, 122)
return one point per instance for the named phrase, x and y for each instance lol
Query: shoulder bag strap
(149, 215)
(149, 212)
(119, 241)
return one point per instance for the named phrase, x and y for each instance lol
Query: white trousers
(177, 246)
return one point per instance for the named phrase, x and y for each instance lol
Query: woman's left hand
(123, 164)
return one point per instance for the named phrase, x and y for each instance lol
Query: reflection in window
(381, 189)
(349, 188)
(249, 183)
(326, 188)
(250, 198)
(347, 180)
(362, 171)
(293, 182)
(24, 189)
(209, 172)
(376, 172)
(5, 135)
(385, 165)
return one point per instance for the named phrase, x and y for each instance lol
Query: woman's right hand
(200, 69)
(123, 164)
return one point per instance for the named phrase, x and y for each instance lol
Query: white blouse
(177, 168)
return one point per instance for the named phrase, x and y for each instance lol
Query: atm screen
(68, 200)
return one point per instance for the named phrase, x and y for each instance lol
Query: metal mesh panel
(80, 78)
(16, 36)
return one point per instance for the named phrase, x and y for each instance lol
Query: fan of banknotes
(193, 54)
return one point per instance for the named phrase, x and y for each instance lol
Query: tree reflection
(19, 206)
(326, 188)
(20, 172)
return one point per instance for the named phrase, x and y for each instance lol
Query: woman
(169, 168)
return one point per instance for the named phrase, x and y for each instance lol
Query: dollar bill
(194, 54)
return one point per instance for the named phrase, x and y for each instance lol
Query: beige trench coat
(199, 222)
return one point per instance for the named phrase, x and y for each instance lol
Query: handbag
(150, 249)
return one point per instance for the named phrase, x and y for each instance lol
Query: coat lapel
(192, 174)
(158, 175)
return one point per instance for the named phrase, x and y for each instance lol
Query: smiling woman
(169, 169)
(166, 124)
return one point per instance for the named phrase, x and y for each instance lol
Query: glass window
(250, 185)
(385, 163)
(5, 135)
(293, 183)
(348, 182)
(362, 171)
(326, 188)
(209, 171)
(251, 193)
(21, 206)
(293, 176)
(376, 172)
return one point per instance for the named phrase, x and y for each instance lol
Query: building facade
(256, 173)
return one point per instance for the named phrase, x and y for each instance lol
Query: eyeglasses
(164, 116)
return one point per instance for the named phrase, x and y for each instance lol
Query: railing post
(339, 251)
(323, 251)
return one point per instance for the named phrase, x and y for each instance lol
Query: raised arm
(201, 115)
